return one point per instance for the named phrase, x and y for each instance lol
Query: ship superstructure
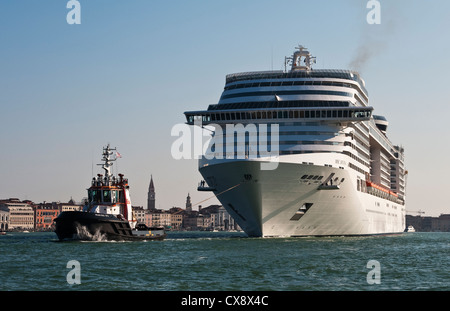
(335, 172)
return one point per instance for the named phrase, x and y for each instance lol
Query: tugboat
(107, 213)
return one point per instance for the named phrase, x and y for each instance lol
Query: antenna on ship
(107, 153)
(300, 60)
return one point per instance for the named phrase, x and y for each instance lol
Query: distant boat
(107, 214)
(410, 229)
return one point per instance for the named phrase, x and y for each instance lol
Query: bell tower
(151, 195)
(188, 203)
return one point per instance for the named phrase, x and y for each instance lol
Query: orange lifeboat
(381, 188)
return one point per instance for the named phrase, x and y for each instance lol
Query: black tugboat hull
(76, 225)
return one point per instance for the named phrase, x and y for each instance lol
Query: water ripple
(227, 261)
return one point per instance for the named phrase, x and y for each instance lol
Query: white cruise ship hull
(338, 172)
(272, 203)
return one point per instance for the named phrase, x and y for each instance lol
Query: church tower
(188, 204)
(151, 196)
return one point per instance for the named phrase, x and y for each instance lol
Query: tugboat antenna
(107, 153)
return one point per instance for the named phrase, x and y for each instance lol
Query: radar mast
(300, 60)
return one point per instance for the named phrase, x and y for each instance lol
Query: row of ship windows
(281, 152)
(314, 142)
(107, 196)
(307, 133)
(290, 142)
(280, 104)
(297, 92)
(288, 152)
(356, 168)
(361, 130)
(328, 74)
(362, 143)
(351, 165)
(317, 177)
(363, 154)
(287, 134)
(228, 116)
(312, 177)
(354, 157)
(294, 83)
(381, 138)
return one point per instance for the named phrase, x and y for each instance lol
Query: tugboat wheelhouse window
(94, 196)
(107, 196)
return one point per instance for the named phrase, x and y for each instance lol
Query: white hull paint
(263, 202)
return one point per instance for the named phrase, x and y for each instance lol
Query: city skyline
(126, 74)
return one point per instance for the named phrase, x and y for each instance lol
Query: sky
(129, 70)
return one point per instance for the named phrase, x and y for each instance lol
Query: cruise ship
(300, 152)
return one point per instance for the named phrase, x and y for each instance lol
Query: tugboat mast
(107, 153)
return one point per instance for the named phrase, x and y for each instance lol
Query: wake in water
(84, 234)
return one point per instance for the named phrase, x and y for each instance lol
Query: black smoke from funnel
(375, 37)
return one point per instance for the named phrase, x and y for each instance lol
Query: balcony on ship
(203, 186)
(331, 114)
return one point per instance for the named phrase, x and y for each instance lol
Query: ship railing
(332, 114)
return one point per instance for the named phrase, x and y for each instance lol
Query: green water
(205, 261)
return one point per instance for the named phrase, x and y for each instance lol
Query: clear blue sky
(127, 73)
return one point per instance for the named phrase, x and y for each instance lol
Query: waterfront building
(139, 213)
(176, 220)
(148, 218)
(220, 219)
(193, 221)
(70, 206)
(206, 222)
(44, 214)
(21, 215)
(443, 223)
(151, 196)
(4, 220)
(428, 223)
(160, 218)
(226, 221)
